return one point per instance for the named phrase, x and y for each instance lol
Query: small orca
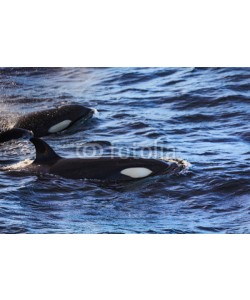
(104, 169)
(15, 134)
(52, 121)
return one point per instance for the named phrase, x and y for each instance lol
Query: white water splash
(18, 166)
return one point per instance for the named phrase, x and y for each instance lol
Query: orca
(15, 134)
(104, 169)
(51, 121)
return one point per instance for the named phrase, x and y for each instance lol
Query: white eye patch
(60, 126)
(136, 172)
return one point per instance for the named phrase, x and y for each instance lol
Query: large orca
(15, 134)
(104, 169)
(46, 122)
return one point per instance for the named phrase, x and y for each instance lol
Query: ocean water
(200, 115)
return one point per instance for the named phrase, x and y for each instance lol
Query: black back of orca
(107, 169)
(55, 120)
(14, 134)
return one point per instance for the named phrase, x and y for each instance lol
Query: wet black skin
(105, 169)
(40, 122)
(15, 134)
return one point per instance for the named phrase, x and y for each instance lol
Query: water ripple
(197, 114)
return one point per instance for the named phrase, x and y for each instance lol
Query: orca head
(44, 153)
(75, 112)
(67, 115)
(15, 134)
(54, 120)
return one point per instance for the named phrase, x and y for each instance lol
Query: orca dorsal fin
(44, 153)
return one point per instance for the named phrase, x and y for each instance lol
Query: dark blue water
(197, 114)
